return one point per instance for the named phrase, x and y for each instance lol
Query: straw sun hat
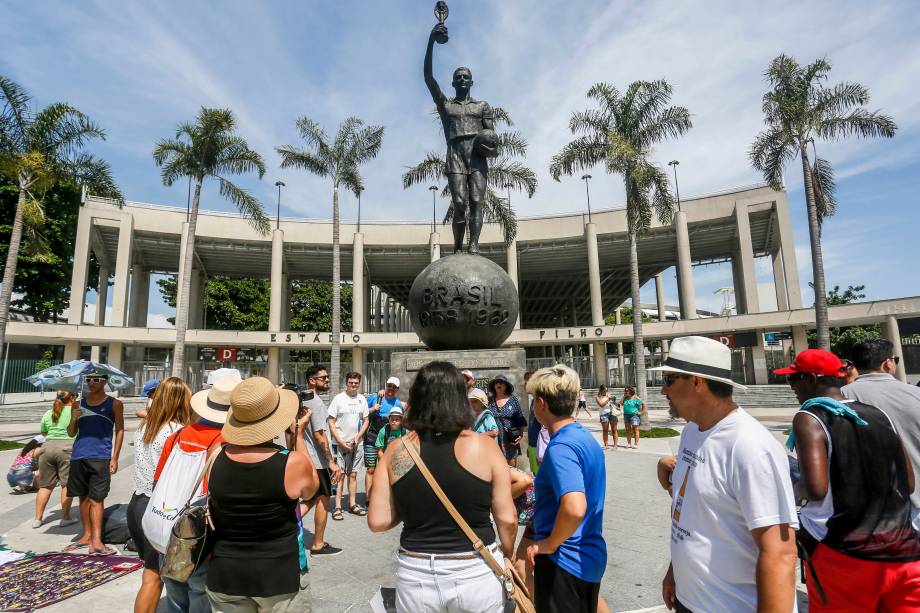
(258, 412)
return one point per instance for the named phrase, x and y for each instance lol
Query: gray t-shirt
(317, 423)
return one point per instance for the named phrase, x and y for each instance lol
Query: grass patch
(654, 433)
(6, 445)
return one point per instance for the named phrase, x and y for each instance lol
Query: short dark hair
(353, 375)
(314, 370)
(719, 389)
(869, 354)
(437, 400)
(832, 382)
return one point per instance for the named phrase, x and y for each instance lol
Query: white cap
(393, 381)
(395, 412)
(40, 439)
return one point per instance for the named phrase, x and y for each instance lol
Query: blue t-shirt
(485, 422)
(385, 405)
(378, 420)
(95, 429)
(574, 462)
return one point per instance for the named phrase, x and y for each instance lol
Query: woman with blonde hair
(54, 462)
(170, 410)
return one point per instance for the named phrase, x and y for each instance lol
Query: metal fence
(14, 373)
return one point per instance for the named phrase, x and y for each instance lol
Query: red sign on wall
(226, 354)
(726, 339)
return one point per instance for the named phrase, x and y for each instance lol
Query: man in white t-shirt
(347, 423)
(733, 515)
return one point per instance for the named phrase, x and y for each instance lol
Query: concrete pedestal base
(485, 364)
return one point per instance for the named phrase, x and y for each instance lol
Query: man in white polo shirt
(347, 424)
(733, 515)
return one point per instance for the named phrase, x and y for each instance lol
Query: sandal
(356, 510)
(106, 551)
(75, 546)
(338, 515)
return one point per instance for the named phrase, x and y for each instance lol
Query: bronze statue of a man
(471, 140)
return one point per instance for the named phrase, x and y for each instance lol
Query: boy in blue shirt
(570, 554)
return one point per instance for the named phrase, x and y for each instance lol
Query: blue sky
(140, 68)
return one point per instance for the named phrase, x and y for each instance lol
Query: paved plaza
(636, 527)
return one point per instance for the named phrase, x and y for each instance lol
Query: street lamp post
(279, 185)
(586, 178)
(674, 164)
(433, 189)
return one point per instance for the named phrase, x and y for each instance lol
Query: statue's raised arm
(438, 33)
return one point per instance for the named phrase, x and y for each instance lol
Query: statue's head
(463, 79)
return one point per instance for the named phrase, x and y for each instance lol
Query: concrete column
(512, 267)
(114, 356)
(594, 276)
(787, 247)
(686, 291)
(357, 359)
(434, 247)
(366, 319)
(799, 338)
(621, 361)
(779, 281)
(80, 272)
(276, 296)
(358, 307)
(378, 307)
(102, 295)
(662, 310)
(745, 260)
(71, 350)
(891, 333)
(140, 294)
(387, 321)
(285, 302)
(122, 271)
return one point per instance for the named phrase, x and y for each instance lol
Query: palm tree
(39, 149)
(620, 133)
(798, 109)
(207, 148)
(340, 160)
(505, 173)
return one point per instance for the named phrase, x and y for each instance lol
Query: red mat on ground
(45, 579)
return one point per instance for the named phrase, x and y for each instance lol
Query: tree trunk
(638, 343)
(817, 258)
(182, 295)
(12, 258)
(335, 360)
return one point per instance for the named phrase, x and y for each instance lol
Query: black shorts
(325, 483)
(560, 592)
(89, 478)
(145, 551)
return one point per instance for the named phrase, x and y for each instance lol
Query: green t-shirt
(631, 406)
(393, 435)
(58, 431)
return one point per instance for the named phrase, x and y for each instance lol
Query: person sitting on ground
(733, 512)
(485, 422)
(569, 553)
(170, 411)
(99, 427)
(633, 408)
(23, 473)
(54, 461)
(348, 422)
(438, 569)
(390, 432)
(507, 410)
(864, 555)
(259, 562)
(608, 416)
(379, 405)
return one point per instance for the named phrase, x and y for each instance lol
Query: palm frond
(816, 71)
(606, 94)
(580, 154)
(836, 100)
(246, 204)
(668, 123)
(430, 170)
(507, 172)
(15, 116)
(345, 136)
(858, 122)
(311, 132)
(292, 157)
(176, 158)
(96, 174)
(651, 97)
(59, 129)
(590, 122)
(235, 156)
(365, 145)
(352, 180)
(500, 116)
(498, 210)
(769, 153)
(825, 188)
(511, 144)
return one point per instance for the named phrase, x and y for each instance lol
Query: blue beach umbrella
(69, 376)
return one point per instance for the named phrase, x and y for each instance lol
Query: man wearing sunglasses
(733, 512)
(875, 385)
(94, 458)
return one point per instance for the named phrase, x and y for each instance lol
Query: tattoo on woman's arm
(401, 462)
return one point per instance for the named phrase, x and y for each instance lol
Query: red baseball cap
(814, 361)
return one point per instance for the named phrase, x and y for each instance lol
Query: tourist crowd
(445, 467)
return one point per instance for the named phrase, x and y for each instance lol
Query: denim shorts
(608, 418)
(632, 420)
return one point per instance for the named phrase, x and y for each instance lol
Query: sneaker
(325, 550)
(67, 522)
(36, 523)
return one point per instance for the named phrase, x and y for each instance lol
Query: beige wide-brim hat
(214, 403)
(702, 357)
(259, 411)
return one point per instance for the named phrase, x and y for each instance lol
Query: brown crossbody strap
(475, 540)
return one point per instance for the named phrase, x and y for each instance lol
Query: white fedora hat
(701, 357)
(213, 404)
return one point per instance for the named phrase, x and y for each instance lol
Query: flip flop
(107, 551)
(356, 510)
(338, 515)
(75, 547)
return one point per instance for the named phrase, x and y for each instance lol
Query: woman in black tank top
(438, 568)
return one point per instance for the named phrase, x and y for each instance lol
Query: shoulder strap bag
(189, 536)
(514, 584)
